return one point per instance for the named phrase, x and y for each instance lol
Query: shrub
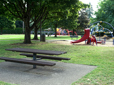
(13, 31)
(99, 33)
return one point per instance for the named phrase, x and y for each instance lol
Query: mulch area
(109, 43)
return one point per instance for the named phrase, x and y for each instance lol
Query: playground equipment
(70, 32)
(97, 30)
(58, 31)
(88, 37)
(91, 38)
(64, 32)
(104, 28)
(61, 31)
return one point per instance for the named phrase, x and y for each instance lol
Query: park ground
(96, 55)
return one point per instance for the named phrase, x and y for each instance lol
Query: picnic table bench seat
(45, 57)
(24, 61)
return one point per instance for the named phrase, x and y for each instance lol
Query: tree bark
(73, 32)
(1, 31)
(27, 38)
(35, 34)
(55, 30)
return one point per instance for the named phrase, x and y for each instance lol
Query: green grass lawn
(102, 57)
(21, 37)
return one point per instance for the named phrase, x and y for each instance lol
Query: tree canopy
(6, 23)
(106, 12)
(34, 11)
(89, 11)
(69, 18)
(83, 19)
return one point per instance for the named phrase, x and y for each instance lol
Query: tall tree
(33, 11)
(89, 11)
(76, 19)
(68, 18)
(106, 12)
(56, 16)
(83, 19)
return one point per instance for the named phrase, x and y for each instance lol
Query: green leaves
(36, 11)
(66, 17)
(106, 12)
(6, 23)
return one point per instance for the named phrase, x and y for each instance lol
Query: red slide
(93, 39)
(86, 36)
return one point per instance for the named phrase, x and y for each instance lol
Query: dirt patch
(108, 43)
(62, 42)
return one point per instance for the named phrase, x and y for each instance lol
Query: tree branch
(11, 11)
(16, 10)
(21, 7)
(6, 6)
(39, 18)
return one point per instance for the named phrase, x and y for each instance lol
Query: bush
(13, 31)
(99, 33)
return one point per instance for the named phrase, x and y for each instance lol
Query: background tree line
(34, 13)
(105, 13)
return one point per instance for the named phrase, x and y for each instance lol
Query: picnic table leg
(34, 58)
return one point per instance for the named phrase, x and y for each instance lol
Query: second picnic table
(35, 56)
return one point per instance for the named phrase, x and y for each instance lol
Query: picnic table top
(37, 51)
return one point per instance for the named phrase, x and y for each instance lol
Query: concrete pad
(60, 74)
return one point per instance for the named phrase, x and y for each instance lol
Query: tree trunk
(35, 34)
(55, 30)
(55, 33)
(1, 31)
(27, 38)
(73, 32)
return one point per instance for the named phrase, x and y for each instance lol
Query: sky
(93, 2)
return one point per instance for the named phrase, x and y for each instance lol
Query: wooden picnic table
(34, 52)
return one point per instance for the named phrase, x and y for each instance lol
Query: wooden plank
(48, 52)
(24, 61)
(45, 57)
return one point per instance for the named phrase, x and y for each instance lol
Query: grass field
(102, 57)
(21, 37)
